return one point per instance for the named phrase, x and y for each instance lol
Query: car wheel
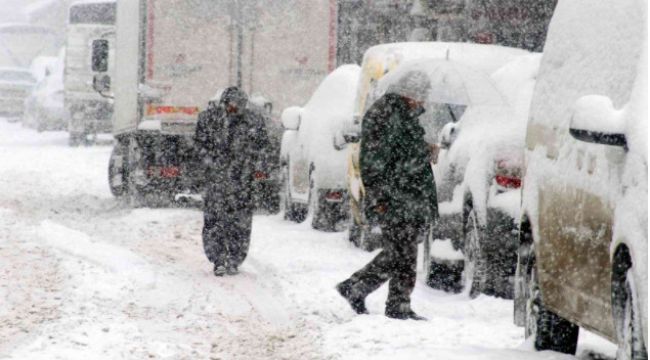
(323, 218)
(355, 233)
(549, 331)
(627, 316)
(74, 139)
(292, 211)
(475, 272)
(117, 171)
(445, 275)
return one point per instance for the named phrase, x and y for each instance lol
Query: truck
(172, 56)
(90, 24)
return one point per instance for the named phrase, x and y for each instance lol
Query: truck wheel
(134, 169)
(625, 309)
(117, 170)
(475, 269)
(550, 331)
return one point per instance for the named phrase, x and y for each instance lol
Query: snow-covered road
(82, 276)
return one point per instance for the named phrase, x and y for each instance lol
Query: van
(583, 241)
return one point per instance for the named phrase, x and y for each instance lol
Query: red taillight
(508, 182)
(334, 196)
(170, 172)
(260, 175)
(164, 172)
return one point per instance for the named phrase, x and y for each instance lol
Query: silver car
(15, 86)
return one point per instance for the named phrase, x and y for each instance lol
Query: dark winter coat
(231, 149)
(395, 164)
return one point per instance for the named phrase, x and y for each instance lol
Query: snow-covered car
(314, 169)
(583, 252)
(15, 86)
(44, 108)
(379, 61)
(478, 178)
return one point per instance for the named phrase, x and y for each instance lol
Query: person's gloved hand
(381, 208)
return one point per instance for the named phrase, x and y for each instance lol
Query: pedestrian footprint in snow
(400, 194)
(230, 140)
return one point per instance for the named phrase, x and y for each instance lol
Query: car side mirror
(595, 120)
(352, 137)
(341, 140)
(448, 135)
(291, 118)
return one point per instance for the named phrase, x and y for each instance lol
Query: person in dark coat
(400, 193)
(230, 140)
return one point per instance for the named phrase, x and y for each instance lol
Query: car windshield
(99, 13)
(16, 76)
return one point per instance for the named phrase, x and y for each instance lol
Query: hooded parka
(230, 149)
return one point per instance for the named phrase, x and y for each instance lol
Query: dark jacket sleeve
(376, 156)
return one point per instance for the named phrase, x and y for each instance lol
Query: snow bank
(118, 260)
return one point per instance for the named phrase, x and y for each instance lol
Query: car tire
(322, 218)
(549, 330)
(117, 170)
(475, 270)
(445, 276)
(292, 211)
(626, 313)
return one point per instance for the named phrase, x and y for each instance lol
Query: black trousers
(226, 230)
(396, 263)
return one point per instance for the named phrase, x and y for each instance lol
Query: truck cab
(91, 23)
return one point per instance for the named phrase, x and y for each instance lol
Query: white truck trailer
(90, 22)
(171, 58)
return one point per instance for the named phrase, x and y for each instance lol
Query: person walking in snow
(230, 140)
(400, 188)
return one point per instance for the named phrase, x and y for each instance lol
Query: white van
(89, 22)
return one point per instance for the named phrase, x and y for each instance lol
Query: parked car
(314, 170)
(583, 243)
(44, 108)
(478, 178)
(15, 86)
(379, 61)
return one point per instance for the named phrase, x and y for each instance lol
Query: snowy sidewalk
(84, 277)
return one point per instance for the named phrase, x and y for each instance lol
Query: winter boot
(402, 312)
(219, 270)
(232, 270)
(356, 301)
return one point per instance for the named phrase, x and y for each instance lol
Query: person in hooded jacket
(400, 193)
(230, 140)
